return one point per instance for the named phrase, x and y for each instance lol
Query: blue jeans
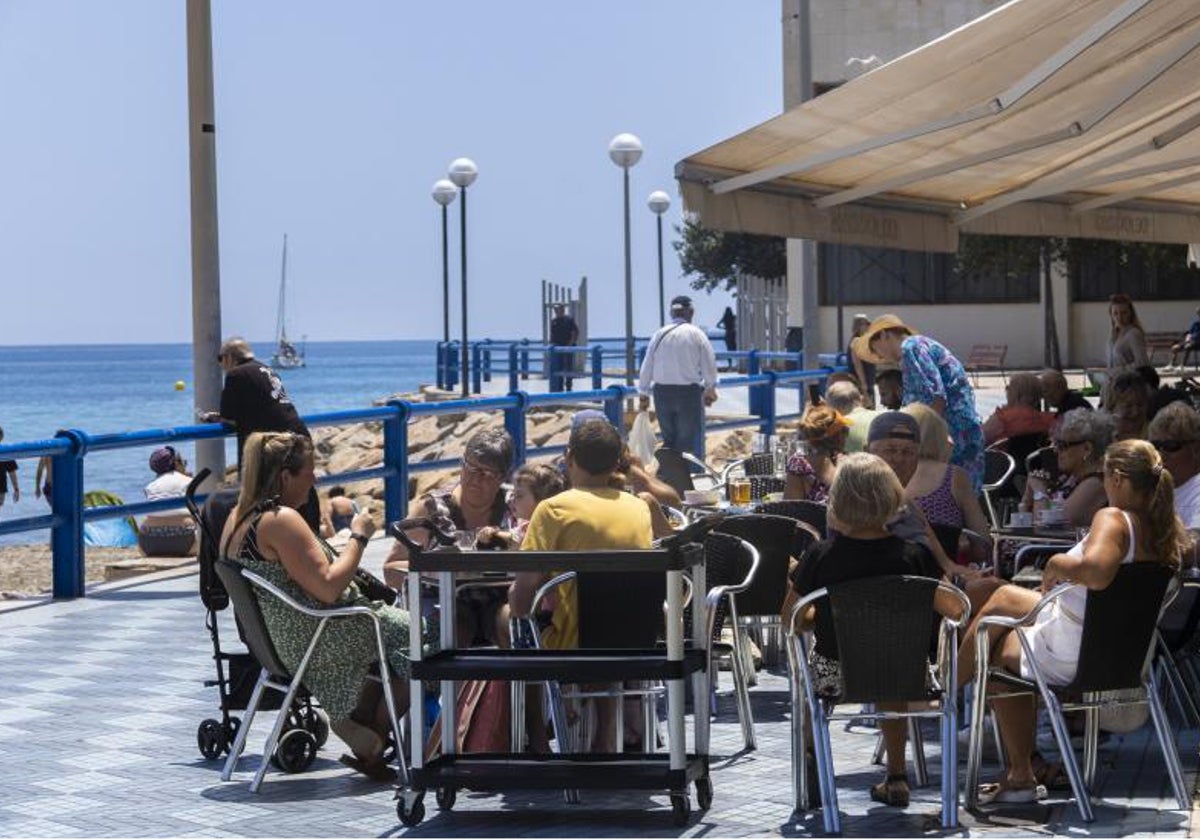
(680, 410)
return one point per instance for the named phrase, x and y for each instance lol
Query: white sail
(286, 355)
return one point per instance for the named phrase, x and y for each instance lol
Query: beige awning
(1075, 118)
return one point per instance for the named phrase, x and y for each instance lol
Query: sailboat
(286, 355)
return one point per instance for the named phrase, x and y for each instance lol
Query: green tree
(715, 259)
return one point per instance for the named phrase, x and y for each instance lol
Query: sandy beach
(26, 570)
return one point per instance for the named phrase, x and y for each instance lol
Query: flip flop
(1050, 774)
(997, 793)
(377, 770)
(892, 791)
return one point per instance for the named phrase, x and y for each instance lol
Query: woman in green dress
(268, 536)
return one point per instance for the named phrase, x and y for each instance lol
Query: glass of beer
(739, 492)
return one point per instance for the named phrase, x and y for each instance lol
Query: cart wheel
(231, 730)
(446, 797)
(316, 721)
(411, 816)
(681, 809)
(210, 738)
(704, 793)
(296, 751)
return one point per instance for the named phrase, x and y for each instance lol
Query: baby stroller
(238, 672)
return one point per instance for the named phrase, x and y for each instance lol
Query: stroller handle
(400, 528)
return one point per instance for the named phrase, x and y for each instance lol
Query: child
(531, 484)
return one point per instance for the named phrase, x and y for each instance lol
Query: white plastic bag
(642, 441)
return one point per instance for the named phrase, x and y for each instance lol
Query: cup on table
(465, 539)
(1020, 519)
(739, 492)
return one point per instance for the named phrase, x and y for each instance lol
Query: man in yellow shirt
(591, 515)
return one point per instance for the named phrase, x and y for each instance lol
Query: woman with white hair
(1080, 440)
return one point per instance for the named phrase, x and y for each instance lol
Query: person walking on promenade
(254, 400)
(728, 323)
(564, 332)
(8, 474)
(680, 369)
(931, 375)
(43, 478)
(1127, 338)
(1188, 344)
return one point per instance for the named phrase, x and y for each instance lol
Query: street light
(463, 173)
(444, 193)
(625, 151)
(658, 202)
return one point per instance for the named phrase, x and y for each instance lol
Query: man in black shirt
(1058, 397)
(8, 471)
(254, 400)
(564, 332)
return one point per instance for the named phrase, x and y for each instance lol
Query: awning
(1070, 118)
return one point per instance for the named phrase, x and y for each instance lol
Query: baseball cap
(681, 302)
(894, 425)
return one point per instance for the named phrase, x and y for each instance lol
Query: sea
(102, 388)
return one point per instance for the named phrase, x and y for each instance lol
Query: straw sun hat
(862, 344)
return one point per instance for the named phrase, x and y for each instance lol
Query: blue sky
(333, 122)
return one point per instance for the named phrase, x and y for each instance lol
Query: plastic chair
(813, 514)
(882, 628)
(1118, 638)
(276, 676)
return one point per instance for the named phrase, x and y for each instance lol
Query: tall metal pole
(445, 276)
(466, 353)
(628, 289)
(662, 316)
(206, 274)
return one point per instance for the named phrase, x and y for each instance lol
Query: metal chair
(758, 464)
(998, 469)
(676, 469)
(1174, 641)
(1117, 641)
(276, 676)
(882, 630)
(813, 514)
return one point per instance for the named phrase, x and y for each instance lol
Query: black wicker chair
(814, 514)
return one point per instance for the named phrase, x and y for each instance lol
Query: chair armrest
(1030, 548)
(330, 612)
(963, 601)
(802, 604)
(545, 588)
(1031, 616)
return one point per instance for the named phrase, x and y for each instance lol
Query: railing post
(452, 366)
(476, 373)
(513, 384)
(597, 367)
(767, 405)
(395, 454)
(753, 368)
(66, 503)
(441, 371)
(514, 424)
(613, 407)
(524, 358)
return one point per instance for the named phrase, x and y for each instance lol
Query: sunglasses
(1064, 445)
(1169, 445)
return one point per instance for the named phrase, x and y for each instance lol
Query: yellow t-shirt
(584, 519)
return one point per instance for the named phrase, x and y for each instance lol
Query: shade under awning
(1076, 118)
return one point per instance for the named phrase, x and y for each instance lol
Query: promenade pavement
(100, 699)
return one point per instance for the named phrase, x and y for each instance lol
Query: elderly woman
(810, 471)
(940, 489)
(268, 536)
(1126, 338)
(1139, 527)
(865, 496)
(932, 375)
(1080, 441)
(1127, 395)
(1022, 413)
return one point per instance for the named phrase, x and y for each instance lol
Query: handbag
(642, 440)
(482, 716)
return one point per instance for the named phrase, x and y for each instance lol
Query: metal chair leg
(239, 741)
(741, 688)
(516, 695)
(1082, 795)
(1166, 743)
(1091, 740)
(920, 770)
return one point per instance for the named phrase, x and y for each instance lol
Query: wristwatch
(361, 539)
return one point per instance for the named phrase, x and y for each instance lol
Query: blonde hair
(935, 434)
(265, 457)
(865, 492)
(821, 427)
(1139, 462)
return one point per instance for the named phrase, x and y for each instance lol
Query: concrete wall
(1089, 326)
(887, 29)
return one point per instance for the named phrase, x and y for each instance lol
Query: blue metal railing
(69, 449)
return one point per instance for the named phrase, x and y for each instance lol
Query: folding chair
(1118, 639)
(276, 676)
(882, 629)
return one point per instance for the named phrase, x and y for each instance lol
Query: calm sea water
(113, 388)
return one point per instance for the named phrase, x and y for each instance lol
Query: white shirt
(679, 354)
(1187, 502)
(169, 485)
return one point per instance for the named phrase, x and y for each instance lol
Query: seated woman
(940, 489)
(1022, 414)
(810, 471)
(1139, 527)
(268, 536)
(1080, 441)
(865, 495)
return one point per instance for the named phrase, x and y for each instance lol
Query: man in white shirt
(1175, 433)
(680, 369)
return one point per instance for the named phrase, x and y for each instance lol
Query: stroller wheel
(316, 721)
(231, 730)
(296, 751)
(210, 738)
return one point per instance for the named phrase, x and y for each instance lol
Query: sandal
(1049, 774)
(375, 769)
(999, 793)
(364, 742)
(892, 791)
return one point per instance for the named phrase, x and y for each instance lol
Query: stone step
(121, 569)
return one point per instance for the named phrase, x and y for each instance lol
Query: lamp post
(463, 173)
(625, 150)
(444, 193)
(658, 202)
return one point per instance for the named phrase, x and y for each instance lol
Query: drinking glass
(465, 539)
(739, 495)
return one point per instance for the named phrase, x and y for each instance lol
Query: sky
(334, 119)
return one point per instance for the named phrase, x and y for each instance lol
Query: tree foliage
(715, 259)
